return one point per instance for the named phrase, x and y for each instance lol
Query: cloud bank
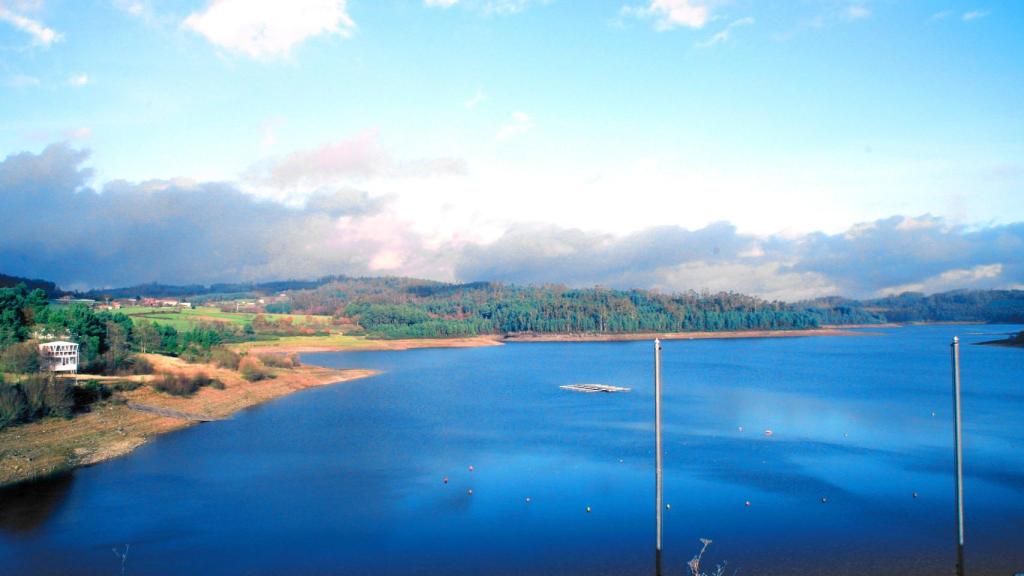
(267, 28)
(58, 227)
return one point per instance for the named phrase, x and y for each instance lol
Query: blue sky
(466, 122)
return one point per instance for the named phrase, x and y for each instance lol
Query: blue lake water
(347, 479)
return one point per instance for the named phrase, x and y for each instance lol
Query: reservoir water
(855, 478)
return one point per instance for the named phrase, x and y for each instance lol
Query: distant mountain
(51, 289)
(155, 290)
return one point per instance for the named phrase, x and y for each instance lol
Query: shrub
(280, 360)
(13, 407)
(182, 384)
(22, 358)
(138, 365)
(225, 357)
(47, 395)
(253, 370)
(89, 393)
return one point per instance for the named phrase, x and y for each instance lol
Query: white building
(59, 356)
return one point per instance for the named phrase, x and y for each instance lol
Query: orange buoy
(768, 432)
(470, 467)
(445, 480)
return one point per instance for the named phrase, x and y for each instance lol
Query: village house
(59, 356)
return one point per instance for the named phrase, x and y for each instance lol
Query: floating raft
(593, 388)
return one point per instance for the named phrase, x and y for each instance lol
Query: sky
(784, 149)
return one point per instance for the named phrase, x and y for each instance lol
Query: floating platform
(593, 388)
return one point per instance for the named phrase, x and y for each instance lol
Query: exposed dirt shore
(362, 345)
(112, 429)
(678, 335)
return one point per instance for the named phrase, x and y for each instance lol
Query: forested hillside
(406, 308)
(393, 307)
(999, 306)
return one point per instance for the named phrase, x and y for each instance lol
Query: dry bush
(22, 358)
(48, 396)
(694, 563)
(12, 405)
(280, 360)
(225, 357)
(252, 369)
(183, 384)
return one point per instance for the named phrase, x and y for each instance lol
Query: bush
(137, 365)
(47, 395)
(280, 360)
(90, 393)
(183, 384)
(253, 370)
(22, 358)
(225, 358)
(13, 407)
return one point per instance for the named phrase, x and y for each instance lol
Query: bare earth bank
(112, 429)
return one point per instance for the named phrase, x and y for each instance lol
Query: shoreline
(364, 345)
(702, 335)
(116, 426)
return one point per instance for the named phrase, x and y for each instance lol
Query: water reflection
(26, 507)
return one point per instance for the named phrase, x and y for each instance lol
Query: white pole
(657, 451)
(958, 462)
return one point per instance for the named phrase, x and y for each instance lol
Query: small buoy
(845, 435)
(620, 460)
(588, 509)
(824, 500)
(915, 494)
(740, 428)
(747, 503)
(668, 506)
(933, 414)
(528, 500)
(470, 467)
(768, 432)
(469, 492)
(445, 480)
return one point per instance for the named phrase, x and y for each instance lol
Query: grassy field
(331, 341)
(186, 318)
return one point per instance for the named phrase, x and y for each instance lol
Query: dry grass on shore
(112, 429)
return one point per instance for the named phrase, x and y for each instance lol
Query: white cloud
(83, 133)
(441, 3)
(723, 34)
(974, 15)
(22, 81)
(41, 35)
(521, 123)
(293, 177)
(78, 80)
(478, 98)
(856, 12)
(506, 6)
(266, 28)
(981, 276)
(669, 14)
(942, 15)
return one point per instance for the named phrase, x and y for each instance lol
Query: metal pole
(958, 462)
(657, 450)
